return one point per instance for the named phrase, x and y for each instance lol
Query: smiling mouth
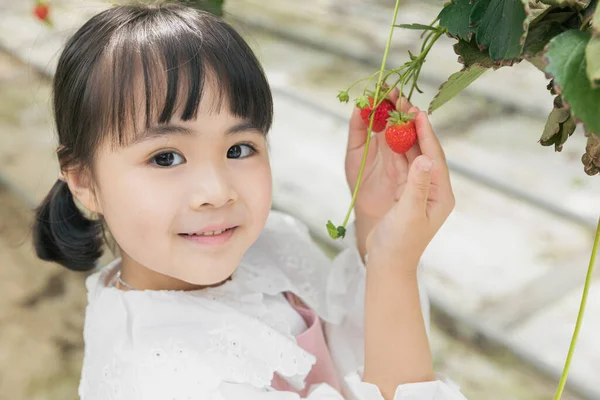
(212, 233)
(220, 236)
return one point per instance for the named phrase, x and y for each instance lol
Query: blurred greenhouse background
(504, 275)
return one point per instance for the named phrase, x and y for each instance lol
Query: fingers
(428, 141)
(430, 146)
(357, 135)
(393, 95)
(403, 105)
(413, 153)
(416, 192)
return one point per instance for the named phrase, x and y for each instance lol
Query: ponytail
(62, 234)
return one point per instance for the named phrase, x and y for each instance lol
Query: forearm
(396, 346)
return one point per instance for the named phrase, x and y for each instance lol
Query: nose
(214, 190)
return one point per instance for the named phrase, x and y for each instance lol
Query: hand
(425, 202)
(385, 172)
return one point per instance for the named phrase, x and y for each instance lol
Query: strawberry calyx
(369, 97)
(343, 96)
(362, 102)
(400, 118)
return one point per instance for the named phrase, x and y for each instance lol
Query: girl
(162, 115)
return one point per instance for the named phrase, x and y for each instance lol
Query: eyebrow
(169, 129)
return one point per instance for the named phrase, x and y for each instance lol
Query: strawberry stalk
(340, 231)
(586, 288)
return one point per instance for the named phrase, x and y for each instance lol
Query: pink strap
(313, 341)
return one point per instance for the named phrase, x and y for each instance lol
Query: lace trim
(287, 259)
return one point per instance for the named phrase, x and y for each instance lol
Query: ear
(81, 186)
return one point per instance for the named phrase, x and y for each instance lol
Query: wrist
(395, 270)
(363, 226)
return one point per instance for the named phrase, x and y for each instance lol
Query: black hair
(166, 51)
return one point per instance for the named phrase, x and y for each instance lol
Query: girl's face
(159, 193)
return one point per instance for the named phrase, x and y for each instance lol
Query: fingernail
(426, 164)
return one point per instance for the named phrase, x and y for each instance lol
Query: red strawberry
(401, 135)
(41, 10)
(382, 113)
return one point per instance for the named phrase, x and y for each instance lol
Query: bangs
(159, 63)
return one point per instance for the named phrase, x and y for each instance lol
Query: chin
(223, 270)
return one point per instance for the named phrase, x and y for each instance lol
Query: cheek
(255, 188)
(136, 210)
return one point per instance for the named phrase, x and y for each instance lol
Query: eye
(241, 151)
(167, 159)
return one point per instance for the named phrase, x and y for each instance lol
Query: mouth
(213, 237)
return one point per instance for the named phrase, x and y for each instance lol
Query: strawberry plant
(559, 37)
(41, 11)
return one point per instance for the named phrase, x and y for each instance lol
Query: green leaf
(332, 230)
(566, 63)
(456, 84)
(501, 26)
(469, 54)
(592, 55)
(559, 15)
(455, 18)
(418, 27)
(539, 35)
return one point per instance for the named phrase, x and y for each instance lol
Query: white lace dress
(226, 342)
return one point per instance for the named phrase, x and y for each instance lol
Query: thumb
(418, 181)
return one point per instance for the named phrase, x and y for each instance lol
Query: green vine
(586, 287)
(376, 102)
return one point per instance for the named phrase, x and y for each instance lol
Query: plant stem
(375, 99)
(425, 48)
(385, 78)
(362, 80)
(586, 287)
(425, 52)
(412, 88)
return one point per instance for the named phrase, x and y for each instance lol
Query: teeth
(211, 233)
